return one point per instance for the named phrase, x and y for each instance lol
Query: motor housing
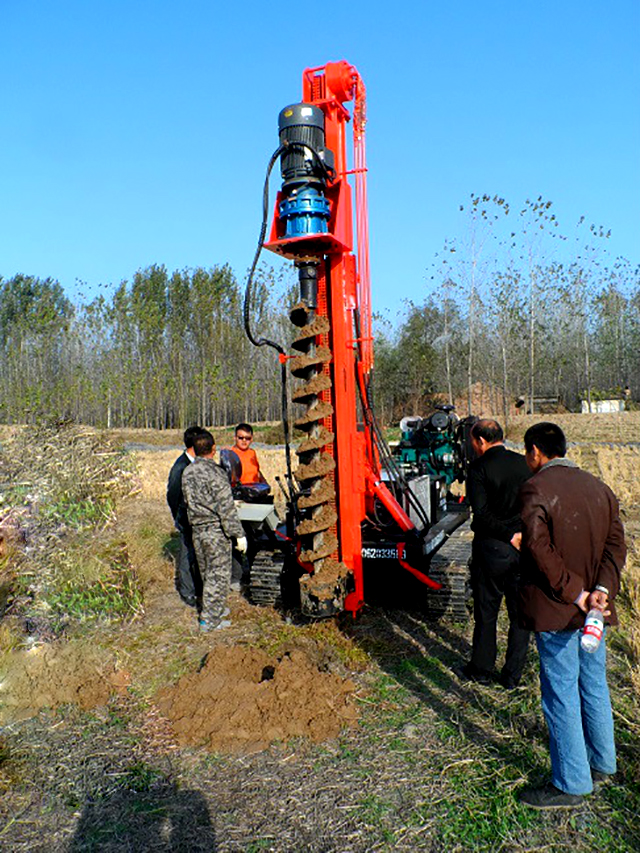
(304, 165)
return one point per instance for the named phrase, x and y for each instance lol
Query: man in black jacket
(188, 581)
(493, 484)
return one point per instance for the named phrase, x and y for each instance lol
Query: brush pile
(57, 482)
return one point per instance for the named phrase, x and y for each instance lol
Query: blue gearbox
(306, 211)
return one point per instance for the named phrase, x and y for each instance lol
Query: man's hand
(600, 601)
(582, 601)
(241, 544)
(516, 541)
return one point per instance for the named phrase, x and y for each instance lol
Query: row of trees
(580, 352)
(523, 310)
(163, 351)
(516, 307)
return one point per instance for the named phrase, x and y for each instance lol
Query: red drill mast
(339, 474)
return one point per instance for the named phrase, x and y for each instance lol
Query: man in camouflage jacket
(214, 521)
(188, 580)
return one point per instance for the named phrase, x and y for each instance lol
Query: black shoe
(599, 778)
(189, 600)
(467, 673)
(509, 683)
(549, 797)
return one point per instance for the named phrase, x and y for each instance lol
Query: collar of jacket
(559, 460)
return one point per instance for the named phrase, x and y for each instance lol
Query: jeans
(577, 708)
(494, 576)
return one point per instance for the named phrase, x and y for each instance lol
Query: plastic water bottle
(592, 631)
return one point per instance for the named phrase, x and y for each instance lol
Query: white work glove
(241, 544)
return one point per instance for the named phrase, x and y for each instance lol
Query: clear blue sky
(138, 132)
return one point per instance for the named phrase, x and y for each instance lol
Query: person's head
(542, 442)
(244, 436)
(189, 435)
(485, 433)
(204, 444)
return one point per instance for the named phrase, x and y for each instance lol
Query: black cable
(388, 460)
(381, 444)
(261, 342)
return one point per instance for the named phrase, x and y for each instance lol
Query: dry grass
(153, 472)
(622, 427)
(154, 467)
(269, 432)
(618, 467)
(631, 599)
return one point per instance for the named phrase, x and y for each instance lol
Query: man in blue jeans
(573, 551)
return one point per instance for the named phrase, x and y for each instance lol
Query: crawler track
(450, 567)
(265, 579)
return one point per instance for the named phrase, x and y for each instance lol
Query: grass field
(618, 428)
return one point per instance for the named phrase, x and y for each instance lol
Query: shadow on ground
(167, 818)
(421, 658)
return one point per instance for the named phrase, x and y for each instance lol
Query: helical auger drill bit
(322, 591)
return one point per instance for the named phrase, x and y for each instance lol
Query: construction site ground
(140, 734)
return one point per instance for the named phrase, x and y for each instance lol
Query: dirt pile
(48, 676)
(243, 699)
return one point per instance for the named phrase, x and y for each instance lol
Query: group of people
(201, 503)
(549, 540)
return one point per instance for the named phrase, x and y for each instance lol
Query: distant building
(602, 407)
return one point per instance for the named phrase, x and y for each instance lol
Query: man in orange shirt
(242, 448)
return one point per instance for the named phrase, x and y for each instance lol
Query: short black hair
(245, 428)
(548, 438)
(488, 429)
(204, 443)
(189, 434)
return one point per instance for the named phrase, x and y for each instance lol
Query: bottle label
(593, 627)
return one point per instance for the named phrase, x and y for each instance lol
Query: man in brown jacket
(573, 551)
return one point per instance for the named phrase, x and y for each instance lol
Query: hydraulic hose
(261, 342)
(381, 444)
(248, 294)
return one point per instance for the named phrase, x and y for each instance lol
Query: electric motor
(303, 165)
(302, 124)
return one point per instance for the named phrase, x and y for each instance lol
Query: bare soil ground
(144, 735)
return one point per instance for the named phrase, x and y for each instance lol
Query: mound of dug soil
(50, 675)
(243, 699)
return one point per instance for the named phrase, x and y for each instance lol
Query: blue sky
(138, 132)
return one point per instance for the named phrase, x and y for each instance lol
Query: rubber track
(265, 579)
(450, 567)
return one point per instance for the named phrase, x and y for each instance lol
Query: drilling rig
(361, 520)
